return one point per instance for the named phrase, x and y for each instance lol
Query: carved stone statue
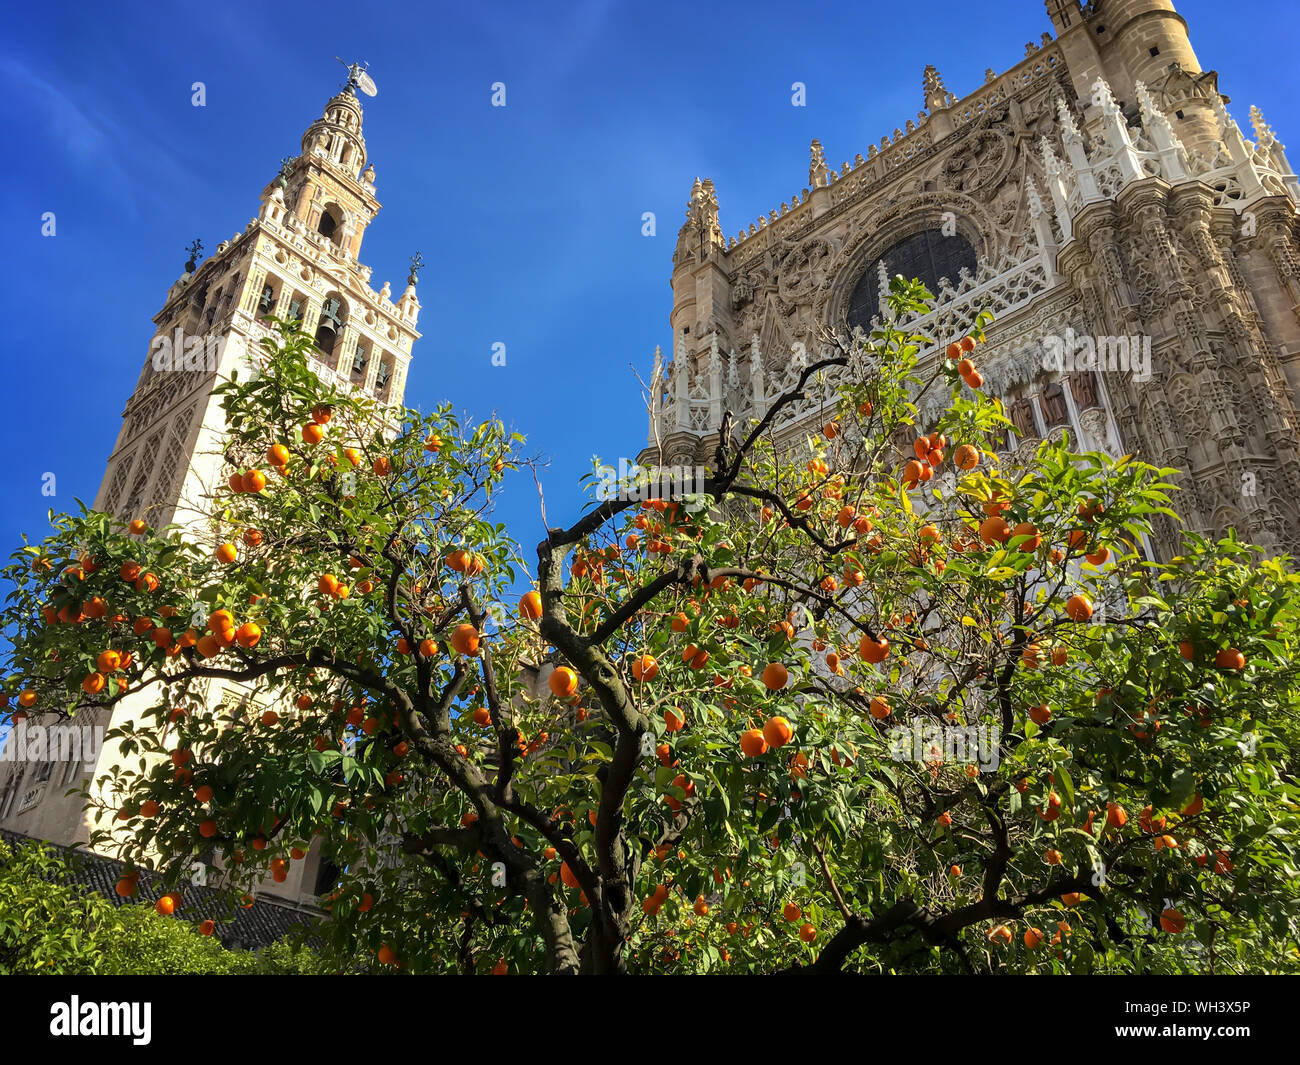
(1055, 411)
(1084, 387)
(1022, 417)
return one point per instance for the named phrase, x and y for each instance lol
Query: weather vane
(358, 78)
(286, 164)
(194, 250)
(417, 264)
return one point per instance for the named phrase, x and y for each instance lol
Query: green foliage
(47, 927)
(465, 801)
(50, 926)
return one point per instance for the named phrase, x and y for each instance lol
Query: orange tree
(875, 701)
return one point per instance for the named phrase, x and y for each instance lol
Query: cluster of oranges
(957, 353)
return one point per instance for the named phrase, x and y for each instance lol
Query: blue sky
(528, 217)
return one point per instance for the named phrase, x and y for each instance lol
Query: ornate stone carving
(1054, 408)
(1083, 387)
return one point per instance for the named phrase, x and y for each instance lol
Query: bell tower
(297, 259)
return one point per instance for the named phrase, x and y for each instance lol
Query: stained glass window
(927, 255)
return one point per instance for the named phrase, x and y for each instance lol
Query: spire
(937, 96)
(1264, 135)
(1035, 201)
(1069, 128)
(701, 231)
(1173, 156)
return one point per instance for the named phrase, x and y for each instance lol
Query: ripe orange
(777, 732)
(269, 718)
(1053, 857)
(1078, 607)
(1040, 715)
(567, 875)
(995, 530)
(563, 682)
(880, 708)
(775, 676)
(227, 554)
(277, 455)
(530, 606)
(966, 457)
(148, 808)
(1153, 825)
(312, 433)
(138, 526)
(752, 743)
(203, 793)
(206, 928)
(248, 634)
(108, 661)
(791, 912)
(93, 683)
(807, 932)
(1033, 938)
(382, 466)
(126, 886)
(27, 698)
(674, 719)
(645, 668)
(208, 828)
(1172, 921)
(873, 651)
(465, 639)
(695, 657)
(386, 955)
(1229, 658)
(1194, 807)
(1116, 815)
(322, 413)
(208, 646)
(1028, 528)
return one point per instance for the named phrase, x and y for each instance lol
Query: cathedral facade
(1138, 250)
(298, 259)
